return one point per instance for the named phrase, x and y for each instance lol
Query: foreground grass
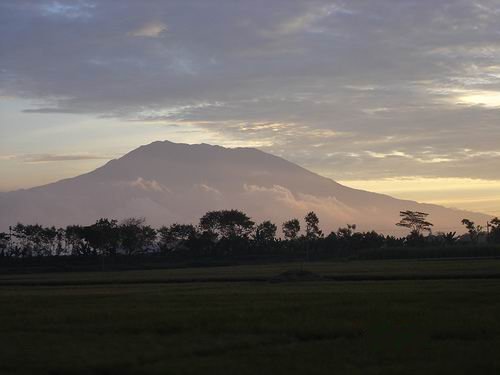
(397, 269)
(404, 327)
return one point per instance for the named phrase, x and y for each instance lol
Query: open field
(228, 327)
(336, 270)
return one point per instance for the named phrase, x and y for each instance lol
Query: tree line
(228, 232)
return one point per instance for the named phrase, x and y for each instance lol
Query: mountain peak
(159, 148)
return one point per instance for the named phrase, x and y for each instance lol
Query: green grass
(393, 327)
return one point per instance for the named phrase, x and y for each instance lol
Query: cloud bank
(354, 89)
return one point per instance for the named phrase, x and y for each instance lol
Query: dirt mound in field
(296, 275)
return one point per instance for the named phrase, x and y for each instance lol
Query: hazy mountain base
(167, 182)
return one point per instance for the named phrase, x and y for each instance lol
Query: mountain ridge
(170, 182)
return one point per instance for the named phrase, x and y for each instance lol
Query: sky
(394, 96)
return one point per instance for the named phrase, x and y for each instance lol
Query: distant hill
(168, 182)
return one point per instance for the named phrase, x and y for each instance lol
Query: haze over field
(400, 97)
(168, 182)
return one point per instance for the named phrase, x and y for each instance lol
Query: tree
(228, 224)
(312, 226)
(265, 232)
(347, 232)
(4, 244)
(415, 221)
(61, 245)
(103, 236)
(76, 244)
(49, 238)
(34, 240)
(473, 229)
(135, 236)
(344, 237)
(448, 238)
(372, 240)
(392, 241)
(175, 236)
(494, 235)
(291, 229)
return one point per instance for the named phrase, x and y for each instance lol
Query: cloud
(489, 99)
(208, 189)
(7, 157)
(47, 158)
(309, 20)
(46, 110)
(350, 89)
(150, 30)
(72, 10)
(149, 185)
(334, 211)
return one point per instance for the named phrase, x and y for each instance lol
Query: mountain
(167, 182)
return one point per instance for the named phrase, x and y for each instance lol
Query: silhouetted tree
(230, 229)
(494, 235)
(344, 237)
(372, 240)
(201, 243)
(4, 244)
(446, 239)
(34, 240)
(392, 241)
(103, 236)
(473, 229)
(227, 224)
(175, 237)
(330, 243)
(415, 239)
(50, 241)
(265, 233)
(415, 221)
(346, 232)
(291, 229)
(135, 236)
(225, 232)
(312, 226)
(76, 244)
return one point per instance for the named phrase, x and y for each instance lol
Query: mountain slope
(168, 182)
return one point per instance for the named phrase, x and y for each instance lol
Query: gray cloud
(363, 89)
(46, 158)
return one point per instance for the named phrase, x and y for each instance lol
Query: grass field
(228, 327)
(343, 270)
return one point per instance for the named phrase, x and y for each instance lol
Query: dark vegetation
(255, 315)
(315, 327)
(230, 236)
